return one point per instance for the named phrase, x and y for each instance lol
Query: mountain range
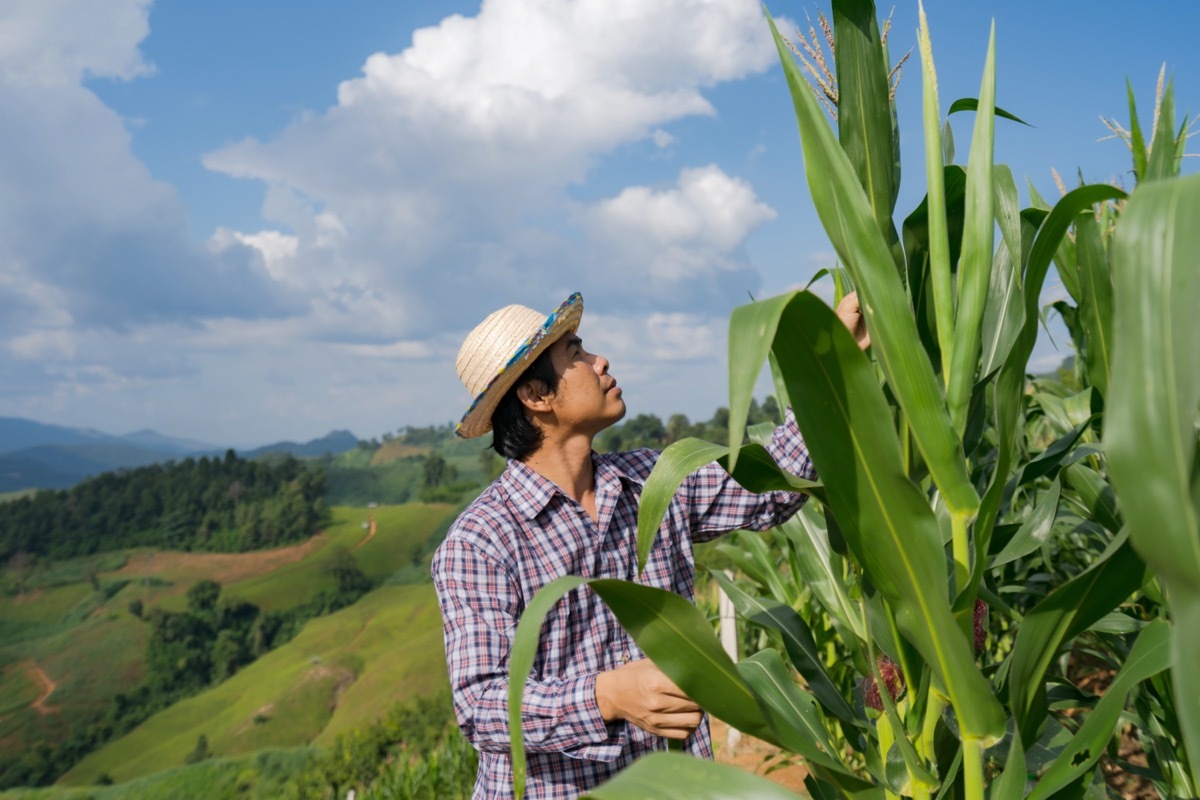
(34, 455)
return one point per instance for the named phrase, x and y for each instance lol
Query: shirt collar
(530, 492)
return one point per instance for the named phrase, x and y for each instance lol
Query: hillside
(339, 672)
(75, 615)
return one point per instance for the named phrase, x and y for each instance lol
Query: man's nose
(601, 364)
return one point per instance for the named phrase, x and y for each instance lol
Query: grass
(400, 531)
(69, 630)
(262, 776)
(340, 672)
(17, 495)
(89, 662)
(393, 451)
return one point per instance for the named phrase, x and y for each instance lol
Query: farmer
(593, 703)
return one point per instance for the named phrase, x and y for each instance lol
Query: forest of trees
(648, 430)
(227, 505)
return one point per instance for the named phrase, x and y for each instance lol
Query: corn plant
(966, 549)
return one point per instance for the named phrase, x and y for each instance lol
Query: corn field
(996, 585)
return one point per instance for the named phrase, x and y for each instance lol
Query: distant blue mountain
(332, 443)
(34, 455)
(64, 465)
(17, 434)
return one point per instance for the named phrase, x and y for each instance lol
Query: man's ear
(533, 396)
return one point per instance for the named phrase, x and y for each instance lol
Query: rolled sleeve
(716, 503)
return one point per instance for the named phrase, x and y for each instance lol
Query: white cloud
(436, 189)
(59, 42)
(434, 161)
(679, 245)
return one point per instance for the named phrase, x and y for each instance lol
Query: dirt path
(48, 686)
(370, 533)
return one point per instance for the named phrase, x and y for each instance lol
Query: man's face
(588, 398)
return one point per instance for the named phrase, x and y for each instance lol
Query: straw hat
(502, 347)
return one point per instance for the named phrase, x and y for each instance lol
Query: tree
(202, 597)
(200, 753)
(434, 471)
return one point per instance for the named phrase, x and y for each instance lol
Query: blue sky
(246, 221)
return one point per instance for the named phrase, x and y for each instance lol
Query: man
(593, 703)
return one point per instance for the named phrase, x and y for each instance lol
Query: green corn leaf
(1137, 144)
(762, 574)
(1150, 436)
(1097, 497)
(1008, 208)
(1035, 530)
(847, 218)
(1011, 782)
(887, 521)
(756, 471)
(1095, 301)
(670, 630)
(1163, 162)
(1064, 613)
(975, 266)
(821, 569)
(679, 639)
(1004, 314)
(795, 714)
(798, 641)
(972, 104)
(916, 233)
(520, 665)
(1150, 655)
(675, 776)
(865, 112)
(673, 466)
(939, 236)
(1010, 383)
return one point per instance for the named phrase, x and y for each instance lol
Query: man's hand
(851, 316)
(640, 693)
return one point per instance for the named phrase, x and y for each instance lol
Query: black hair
(513, 433)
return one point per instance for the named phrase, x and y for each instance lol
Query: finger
(681, 724)
(672, 704)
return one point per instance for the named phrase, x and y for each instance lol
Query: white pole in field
(729, 641)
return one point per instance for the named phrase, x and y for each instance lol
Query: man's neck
(568, 464)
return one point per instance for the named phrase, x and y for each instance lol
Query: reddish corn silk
(893, 678)
(981, 625)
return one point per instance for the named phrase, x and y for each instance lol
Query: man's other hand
(851, 316)
(640, 693)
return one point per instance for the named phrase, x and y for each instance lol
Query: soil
(755, 755)
(223, 567)
(370, 533)
(48, 686)
(1095, 678)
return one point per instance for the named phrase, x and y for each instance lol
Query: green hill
(72, 629)
(340, 671)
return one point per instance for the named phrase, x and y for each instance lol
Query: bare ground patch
(48, 686)
(755, 755)
(222, 567)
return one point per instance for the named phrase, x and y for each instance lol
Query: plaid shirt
(521, 534)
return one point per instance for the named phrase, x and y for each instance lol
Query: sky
(243, 222)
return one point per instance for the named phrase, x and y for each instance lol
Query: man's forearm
(556, 716)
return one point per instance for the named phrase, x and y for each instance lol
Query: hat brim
(565, 319)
